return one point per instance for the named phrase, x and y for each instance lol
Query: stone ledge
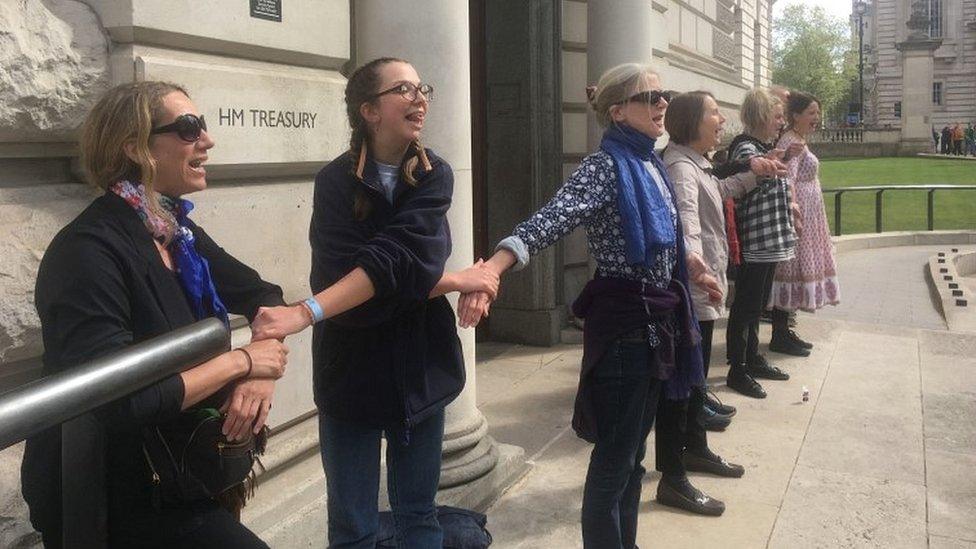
(848, 243)
(948, 271)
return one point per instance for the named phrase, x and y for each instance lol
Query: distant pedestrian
(935, 139)
(946, 138)
(958, 135)
(971, 140)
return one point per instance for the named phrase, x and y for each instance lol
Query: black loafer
(761, 369)
(713, 464)
(714, 421)
(741, 382)
(689, 498)
(716, 405)
(787, 346)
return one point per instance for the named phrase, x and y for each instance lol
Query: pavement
(882, 454)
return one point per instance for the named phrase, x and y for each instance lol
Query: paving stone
(951, 494)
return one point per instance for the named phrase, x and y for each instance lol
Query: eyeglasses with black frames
(410, 91)
(187, 126)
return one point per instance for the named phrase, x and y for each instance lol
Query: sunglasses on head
(187, 126)
(651, 97)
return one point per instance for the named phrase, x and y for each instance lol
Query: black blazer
(396, 359)
(102, 286)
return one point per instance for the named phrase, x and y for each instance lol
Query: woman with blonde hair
(765, 226)
(130, 267)
(641, 340)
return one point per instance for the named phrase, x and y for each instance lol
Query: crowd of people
(957, 140)
(667, 230)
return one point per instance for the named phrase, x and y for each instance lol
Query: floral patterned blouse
(589, 197)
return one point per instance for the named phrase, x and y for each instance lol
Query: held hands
(701, 276)
(266, 359)
(279, 322)
(795, 149)
(472, 308)
(247, 407)
(769, 165)
(477, 278)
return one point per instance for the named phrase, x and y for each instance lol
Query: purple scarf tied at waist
(613, 307)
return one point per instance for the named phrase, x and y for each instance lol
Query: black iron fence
(879, 191)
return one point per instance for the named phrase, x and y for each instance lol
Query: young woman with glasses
(641, 340)
(386, 355)
(130, 267)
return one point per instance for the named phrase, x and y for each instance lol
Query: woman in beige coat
(695, 127)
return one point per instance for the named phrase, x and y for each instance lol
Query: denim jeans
(626, 398)
(351, 458)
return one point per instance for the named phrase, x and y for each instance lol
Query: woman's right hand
(268, 358)
(279, 322)
(477, 278)
(767, 166)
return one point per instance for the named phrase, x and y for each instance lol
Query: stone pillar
(618, 31)
(441, 56)
(916, 101)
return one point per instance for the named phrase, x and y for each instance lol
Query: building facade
(510, 116)
(950, 90)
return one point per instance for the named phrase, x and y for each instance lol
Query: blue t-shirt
(388, 176)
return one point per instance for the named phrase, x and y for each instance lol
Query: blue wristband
(318, 314)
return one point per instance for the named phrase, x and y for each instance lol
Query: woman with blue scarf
(130, 267)
(641, 339)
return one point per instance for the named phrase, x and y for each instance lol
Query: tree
(812, 53)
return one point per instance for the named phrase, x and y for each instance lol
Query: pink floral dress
(809, 280)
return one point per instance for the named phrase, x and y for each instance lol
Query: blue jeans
(351, 458)
(626, 398)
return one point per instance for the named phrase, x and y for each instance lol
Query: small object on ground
(806, 394)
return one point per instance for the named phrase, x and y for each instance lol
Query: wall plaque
(266, 9)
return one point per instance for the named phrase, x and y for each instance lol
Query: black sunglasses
(652, 97)
(187, 126)
(409, 91)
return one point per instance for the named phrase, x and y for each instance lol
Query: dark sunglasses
(651, 97)
(187, 126)
(409, 91)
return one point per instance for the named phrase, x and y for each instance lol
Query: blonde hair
(617, 85)
(757, 110)
(126, 113)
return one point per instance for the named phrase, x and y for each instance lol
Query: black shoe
(766, 316)
(741, 382)
(786, 345)
(715, 404)
(761, 369)
(797, 341)
(713, 464)
(683, 495)
(714, 421)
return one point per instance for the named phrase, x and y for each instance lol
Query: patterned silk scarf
(171, 225)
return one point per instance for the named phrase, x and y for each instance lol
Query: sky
(837, 8)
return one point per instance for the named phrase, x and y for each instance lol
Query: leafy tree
(812, 52)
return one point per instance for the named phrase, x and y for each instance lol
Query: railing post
(931, 209)
(837, 212)
(877, 211)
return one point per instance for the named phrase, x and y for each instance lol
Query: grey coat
(699, 196)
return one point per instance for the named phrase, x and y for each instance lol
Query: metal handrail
(42, 404)
(878, 206)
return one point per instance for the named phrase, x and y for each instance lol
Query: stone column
(441, 56)
(916, 100)
(618, 31)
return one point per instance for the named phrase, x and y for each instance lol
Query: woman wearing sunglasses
(387, 359)
(130, 267)
(641, 340)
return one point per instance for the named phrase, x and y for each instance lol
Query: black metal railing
(68, 398)
(879, 191)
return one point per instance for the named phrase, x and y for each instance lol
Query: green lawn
(902, 210)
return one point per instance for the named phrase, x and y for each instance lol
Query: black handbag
(192, 460)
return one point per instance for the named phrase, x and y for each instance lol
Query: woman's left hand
(711, 286)
(797, 222)
(247, 407)
(279, 322)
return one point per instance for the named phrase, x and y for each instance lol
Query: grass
(901, 210)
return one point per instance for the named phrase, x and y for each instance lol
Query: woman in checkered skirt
(764, 220)
(809, 280)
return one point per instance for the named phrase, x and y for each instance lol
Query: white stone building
(950, 88)
(509, 116)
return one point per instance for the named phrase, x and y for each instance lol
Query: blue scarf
(192, 269)
(644, 215)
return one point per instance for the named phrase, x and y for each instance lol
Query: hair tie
(591, 94)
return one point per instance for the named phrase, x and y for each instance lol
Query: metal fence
(879, 191)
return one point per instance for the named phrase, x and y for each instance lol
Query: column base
(483, 492)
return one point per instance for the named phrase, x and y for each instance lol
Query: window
(897, 109)
(936, 93)
(935, 18)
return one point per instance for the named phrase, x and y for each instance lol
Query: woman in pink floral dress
(809, 280)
